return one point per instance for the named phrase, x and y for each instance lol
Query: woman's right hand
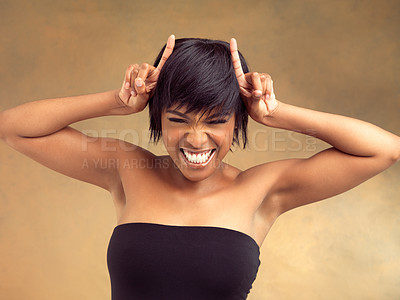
(140, 81)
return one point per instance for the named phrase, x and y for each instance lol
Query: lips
(199, 158)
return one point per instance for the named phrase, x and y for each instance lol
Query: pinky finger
(264, 84)
(128, 72)
(269, 87)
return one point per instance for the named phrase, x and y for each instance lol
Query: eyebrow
(178, 113)
(213, 116)
(218, 115)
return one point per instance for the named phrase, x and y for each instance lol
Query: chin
(197, 172)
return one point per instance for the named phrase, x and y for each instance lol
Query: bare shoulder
(128, 151)
(264, 182)
(133, 164)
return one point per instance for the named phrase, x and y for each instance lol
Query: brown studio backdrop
(336, 56)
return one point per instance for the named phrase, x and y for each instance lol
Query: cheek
(223, 137)
(171, 136)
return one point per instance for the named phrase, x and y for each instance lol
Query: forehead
(204, 113)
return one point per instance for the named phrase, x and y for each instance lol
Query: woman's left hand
(256, 89)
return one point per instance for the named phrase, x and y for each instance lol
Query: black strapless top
(149, 261)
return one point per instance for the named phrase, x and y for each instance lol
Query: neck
(198, 187)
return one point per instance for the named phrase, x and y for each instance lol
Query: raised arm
(40, 129)
(360, 150)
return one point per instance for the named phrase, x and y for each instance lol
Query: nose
(196, 138)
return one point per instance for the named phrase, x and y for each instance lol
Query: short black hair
(199, 75)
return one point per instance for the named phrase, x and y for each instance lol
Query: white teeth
(197, 158)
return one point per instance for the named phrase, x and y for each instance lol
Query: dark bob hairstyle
(199, 76)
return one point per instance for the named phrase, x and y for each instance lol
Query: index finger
(167, 51)
(236, 59)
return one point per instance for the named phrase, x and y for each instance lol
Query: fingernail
(267, 96)
(139, 82)
(258, 93)
(133, 93)
(127, 85)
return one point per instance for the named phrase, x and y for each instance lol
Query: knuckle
(144, 66)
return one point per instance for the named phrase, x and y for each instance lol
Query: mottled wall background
(336, 56)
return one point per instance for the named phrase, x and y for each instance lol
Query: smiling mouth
(198, 158)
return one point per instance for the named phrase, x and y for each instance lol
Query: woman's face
(197, 143)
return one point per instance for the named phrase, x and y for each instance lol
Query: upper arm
(328, 173)
(72, 153)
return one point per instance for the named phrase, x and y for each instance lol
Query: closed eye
(176, 120)
(220, 121)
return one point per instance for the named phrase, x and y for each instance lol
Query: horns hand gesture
(140, 81)
(256, 89)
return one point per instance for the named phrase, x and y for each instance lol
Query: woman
(190, 225)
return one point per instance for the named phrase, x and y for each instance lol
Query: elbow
(396, 152)
(390, 153)
(393, 153)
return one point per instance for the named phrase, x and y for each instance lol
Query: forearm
(43, 117)
(346, 134)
